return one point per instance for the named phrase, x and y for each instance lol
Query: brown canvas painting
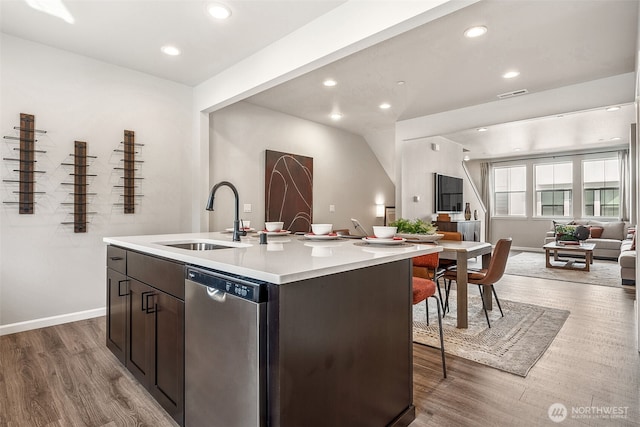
(289, 190)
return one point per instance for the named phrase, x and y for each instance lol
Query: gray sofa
(627, 261)
(615, 243)
(607, 244)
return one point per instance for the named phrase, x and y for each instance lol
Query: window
(601, 186)
(510, 184)
(554, 184)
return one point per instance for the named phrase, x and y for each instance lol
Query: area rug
(513, 344)
(532, 264)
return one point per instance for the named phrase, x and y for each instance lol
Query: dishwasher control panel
(240, 287)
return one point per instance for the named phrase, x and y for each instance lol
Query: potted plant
(416, 229)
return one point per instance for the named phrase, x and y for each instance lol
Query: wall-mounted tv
(448, 193)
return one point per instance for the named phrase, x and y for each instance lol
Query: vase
(475, 214)
(467, 211)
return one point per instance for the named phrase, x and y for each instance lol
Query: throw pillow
(596, 232)
(633, 242)
(612, 229)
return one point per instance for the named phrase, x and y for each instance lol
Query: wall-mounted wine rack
(26, 164)
(130, 169)
(80, 185)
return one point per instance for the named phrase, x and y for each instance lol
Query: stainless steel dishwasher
(225, 350)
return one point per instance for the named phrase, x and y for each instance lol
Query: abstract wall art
(289, 190)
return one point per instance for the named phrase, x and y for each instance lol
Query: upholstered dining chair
(427, 267)
(488, 276)
(423, 289)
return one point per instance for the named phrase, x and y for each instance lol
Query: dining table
(461, 252)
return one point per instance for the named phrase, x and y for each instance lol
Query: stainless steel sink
(197, 246)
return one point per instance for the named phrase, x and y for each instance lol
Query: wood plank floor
(65, 376)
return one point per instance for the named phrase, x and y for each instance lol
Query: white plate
(312, 236)
(276, 233)
(248, 230)
(421, 237)
(377, 241)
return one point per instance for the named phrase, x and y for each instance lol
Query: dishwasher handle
(216, 294)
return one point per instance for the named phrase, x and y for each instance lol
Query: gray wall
(417, 162)
(47, 270)
(346, 172)
(529, 232)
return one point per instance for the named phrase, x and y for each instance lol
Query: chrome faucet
(236, 222)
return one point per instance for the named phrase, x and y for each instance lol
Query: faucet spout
(236, 222)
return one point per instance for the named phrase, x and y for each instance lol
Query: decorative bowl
(321, 229)
(421, 237)
(384, 232)
(274, 226)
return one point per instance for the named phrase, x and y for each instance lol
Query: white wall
(46, 269)
(346, 173)
(418, 161)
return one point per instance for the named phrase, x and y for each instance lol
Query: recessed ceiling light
(400, 82)
(615, 108)
(329, 83)
(616, 138)
(336, 116)
(516, 149)
(385, 106)
(170, 50)
(219, 11)
(477, 31)
(511, 74)
(466, 158)
(482, 129)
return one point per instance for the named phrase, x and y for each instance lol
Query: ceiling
(552, 43)
(130, 33)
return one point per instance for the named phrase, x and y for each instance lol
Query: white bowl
(274, 226)
(384, 232)
(321, 229)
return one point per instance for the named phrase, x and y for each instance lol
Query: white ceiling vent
(512, 94)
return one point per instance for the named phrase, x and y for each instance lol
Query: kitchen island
(333, 337)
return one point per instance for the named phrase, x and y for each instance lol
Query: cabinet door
(167, 385)
(141, 329)
(117, 298)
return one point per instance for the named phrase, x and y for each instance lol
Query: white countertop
(283, 259)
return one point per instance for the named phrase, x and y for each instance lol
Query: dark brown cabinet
(117, 300)
(145, 324)
(470, 230)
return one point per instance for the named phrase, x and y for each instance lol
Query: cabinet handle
(145, 302)
(120, 282)
(116, 258)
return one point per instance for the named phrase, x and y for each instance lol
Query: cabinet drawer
(117, 259)
(168, 276)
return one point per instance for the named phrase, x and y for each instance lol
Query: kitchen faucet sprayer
(236, 222)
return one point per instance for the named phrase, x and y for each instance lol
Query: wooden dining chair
(486, 276)
(422, 290)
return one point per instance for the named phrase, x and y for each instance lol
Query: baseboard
(51, 321)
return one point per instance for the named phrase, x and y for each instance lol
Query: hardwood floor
(592, 362)
(64, 375)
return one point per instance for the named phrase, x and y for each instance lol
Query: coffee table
(570, 264)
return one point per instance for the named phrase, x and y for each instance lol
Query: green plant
(565, 232)
(416, 226)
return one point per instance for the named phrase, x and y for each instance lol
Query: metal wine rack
(26, 164)
(80, 185)
(129, 167)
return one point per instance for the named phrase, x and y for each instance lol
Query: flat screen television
(448, 193)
